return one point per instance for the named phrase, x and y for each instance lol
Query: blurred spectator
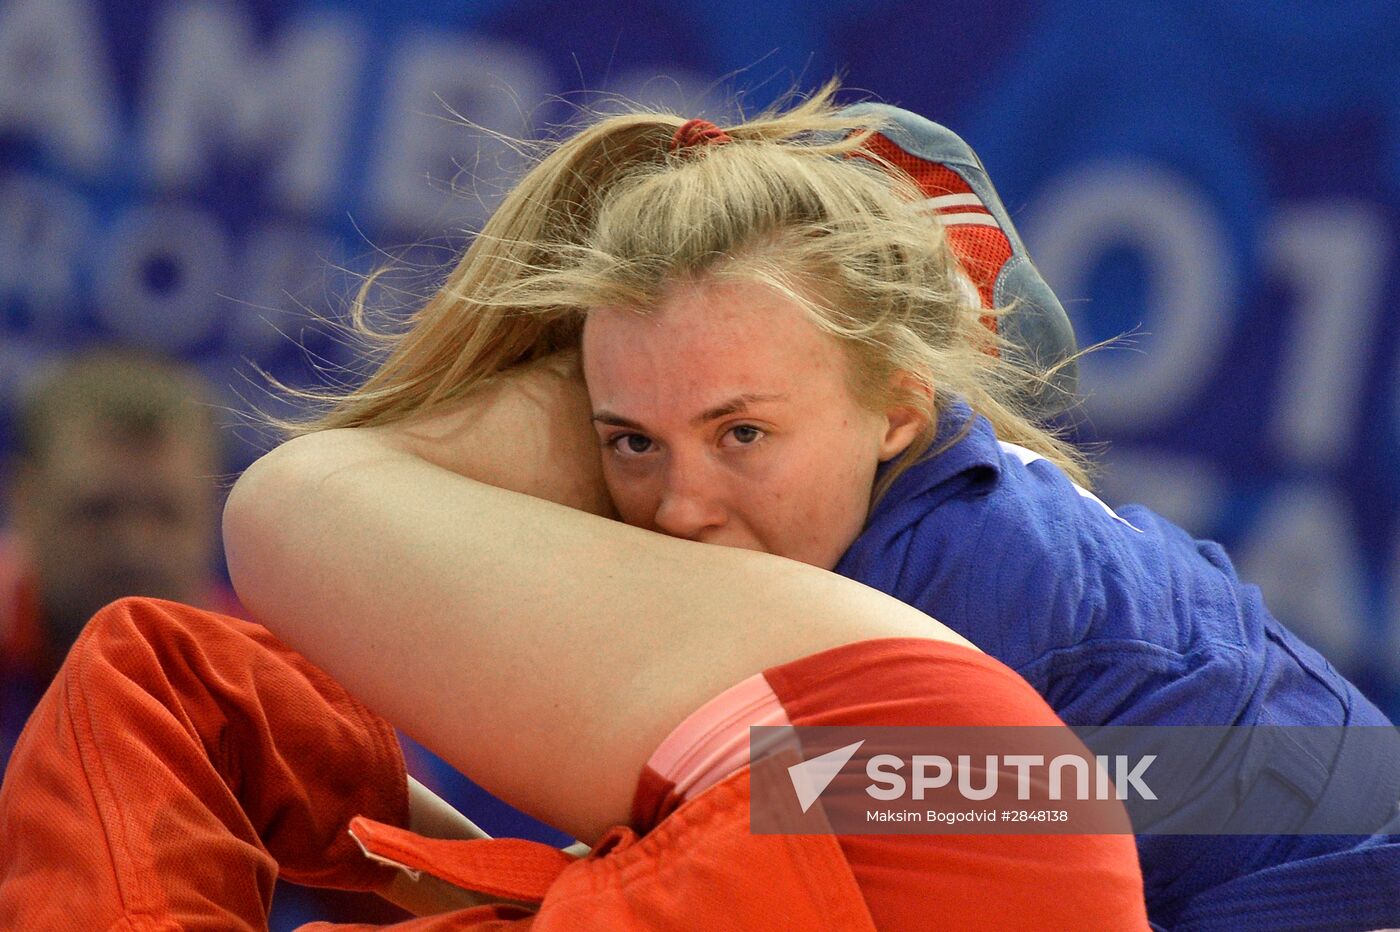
(113, 491)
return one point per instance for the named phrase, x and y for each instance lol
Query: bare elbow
(249, 515)
(270, 500)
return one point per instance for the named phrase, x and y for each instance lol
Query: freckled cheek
(754, 514)
(789, 513)
(842, 497)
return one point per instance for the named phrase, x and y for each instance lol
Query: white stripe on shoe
(975, 220)
(944, 201)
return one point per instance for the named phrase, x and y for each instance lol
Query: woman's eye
(630, 443)
(745, 434)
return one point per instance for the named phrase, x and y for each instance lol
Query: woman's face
(725, 417)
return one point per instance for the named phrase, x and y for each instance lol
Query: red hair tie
(698, 133)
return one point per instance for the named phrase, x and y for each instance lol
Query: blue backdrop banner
(1218, 184)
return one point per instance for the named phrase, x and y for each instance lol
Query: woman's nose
(691, 503)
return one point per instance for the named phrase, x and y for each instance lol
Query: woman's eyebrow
(614, 420)
(724, 409)
(734, 406)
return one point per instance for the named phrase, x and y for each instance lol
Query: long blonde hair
(613, 215)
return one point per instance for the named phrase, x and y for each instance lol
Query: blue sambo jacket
(1121, 618)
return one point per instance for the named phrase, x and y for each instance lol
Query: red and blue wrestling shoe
(983, 238)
